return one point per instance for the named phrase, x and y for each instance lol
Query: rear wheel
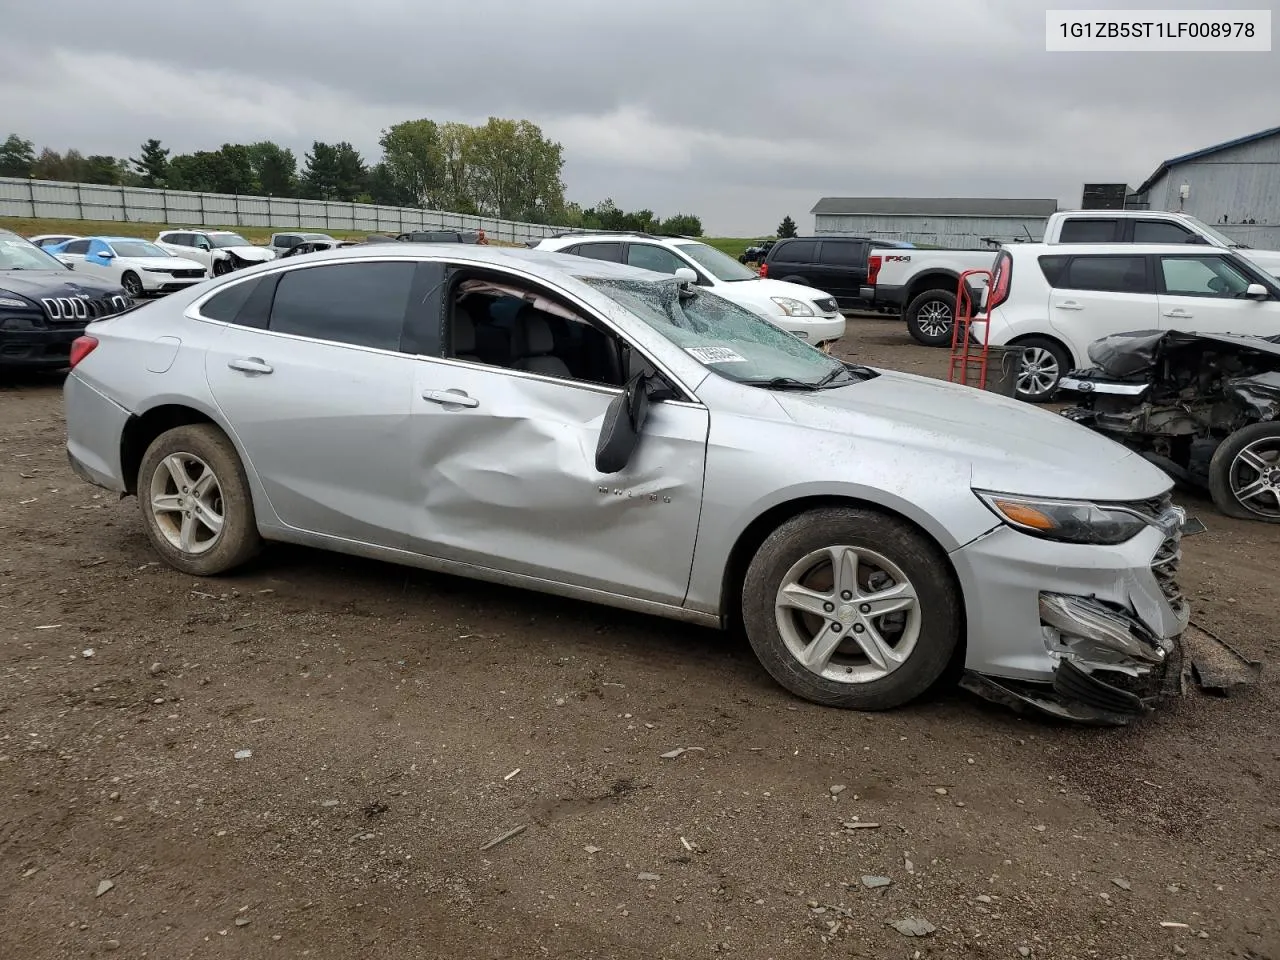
(1244, 474)
(930, 317)
(195, 501)
(1043, 364)
(851, 608)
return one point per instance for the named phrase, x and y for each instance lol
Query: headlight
(155, 269)
(15, 302)
(1070, 521)
(792, 307)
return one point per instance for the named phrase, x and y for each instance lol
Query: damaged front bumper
(1090, 634)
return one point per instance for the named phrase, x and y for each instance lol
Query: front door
(503, 459)
(1204, 293)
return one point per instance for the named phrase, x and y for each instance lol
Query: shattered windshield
(725, 338)
(220, 240)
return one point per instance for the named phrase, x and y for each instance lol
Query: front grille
(187, 274)
(1165, 568)
(826, 304)
(82, 309)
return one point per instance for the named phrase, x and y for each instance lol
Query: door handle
(1178, 314)
(1068, 305)
(250, 365)
(450, 398)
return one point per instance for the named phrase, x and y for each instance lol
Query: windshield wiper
(780, 383)
(827, 378)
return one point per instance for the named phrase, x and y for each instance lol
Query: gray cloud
(739, 111)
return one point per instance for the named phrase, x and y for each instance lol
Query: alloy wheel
(186, 503)
(1254, 478)
(934, 318)
(1038, 373)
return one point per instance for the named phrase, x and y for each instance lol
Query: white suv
(810, 314)
(220, 251)
(1054, 301)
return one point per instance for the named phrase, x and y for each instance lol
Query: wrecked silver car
(597, 431)
(1203, 407)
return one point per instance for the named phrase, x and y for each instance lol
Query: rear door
(74, 253)
(314, 374)
(792, 260)
(1094, 296)
(1204, 293)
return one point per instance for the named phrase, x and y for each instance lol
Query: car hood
(35, 284)
(761, 290)
(256, 254)
(1011, 446)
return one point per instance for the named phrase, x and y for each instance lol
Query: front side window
(1202, 277)
(78, 247)
(1106, 274)
(362, 304)
(727, 339)
(720, 265)
(138, 248)
(650, 257)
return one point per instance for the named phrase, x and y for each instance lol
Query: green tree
(683, 224)
(516, 170)
(320, 172)
(235, 172)
(50, 165)
(383, 187)
(152, 164)
(17, 157)
(275, 168)
(412, 153)
(457, 157)
(787, 228)
(101, 169)
(351, 171)
(205, 171)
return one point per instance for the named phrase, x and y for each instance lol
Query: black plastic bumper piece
(1072, 683)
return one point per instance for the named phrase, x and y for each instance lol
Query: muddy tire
(195, 501)
(851, 608)
(1244, 473)
(930, 317)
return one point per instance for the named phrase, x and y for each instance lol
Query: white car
(139, 266)
(47, 240)
(220, 251)
(810, 314)
(1054, 300)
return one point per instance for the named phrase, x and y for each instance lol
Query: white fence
(51, 199)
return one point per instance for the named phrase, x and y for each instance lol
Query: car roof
(1134, 249)
(571, 238)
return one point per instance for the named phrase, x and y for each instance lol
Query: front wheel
(930, 317)
(1244, 473)
(1043, 364)
(221, 267)
(851, 608)
(132, 285)
(195, 501)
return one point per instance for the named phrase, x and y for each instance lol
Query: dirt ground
(398, 721)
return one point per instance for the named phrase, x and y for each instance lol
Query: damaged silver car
(601, 432)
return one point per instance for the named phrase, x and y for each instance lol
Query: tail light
(873, 269)
(81, 347)
(764, 270)
(1000, 281)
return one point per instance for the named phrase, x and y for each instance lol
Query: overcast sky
(737, 110)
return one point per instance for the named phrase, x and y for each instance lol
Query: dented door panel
(505, 478)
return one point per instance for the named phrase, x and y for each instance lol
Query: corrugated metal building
(936, 221)
(1234, 186)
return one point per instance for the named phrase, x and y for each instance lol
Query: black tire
(930, 317)
(132, 285)
(1221, 486)
(221, 267)
(924, 566)
(238, 539)
(1035, 348)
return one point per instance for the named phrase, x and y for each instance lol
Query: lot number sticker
(714, 355)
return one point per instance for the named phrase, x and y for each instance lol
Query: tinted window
(1110, 274)
(76, 246)
(1051, 267)
(1202, 277)
(178, 239)
(601, 251)
(795, 251)
(287, 240)
(842, 254)
(226, 304)
(1156, 231)
(649, 257)
(1088, 231)
(357, 303)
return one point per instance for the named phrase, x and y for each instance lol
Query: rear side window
(1088, 231)
(362, 304)
(1158, 231)
(226, 305)
(1051, 267)
(795, 251)
(841, 253)
(1106, 274)
(287, 240)
(601, 251)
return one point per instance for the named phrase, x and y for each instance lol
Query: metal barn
(953, 222)
(1234, 186)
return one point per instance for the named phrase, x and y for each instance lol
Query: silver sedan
(601, 432)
